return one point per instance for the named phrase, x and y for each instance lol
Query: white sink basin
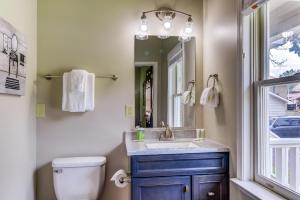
(171, 145)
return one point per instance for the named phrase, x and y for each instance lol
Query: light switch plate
(129, 111)
(40, 110)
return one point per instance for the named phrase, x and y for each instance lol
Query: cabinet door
(210, 187)
(162, 188)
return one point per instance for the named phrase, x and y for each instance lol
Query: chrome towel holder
(51, 76)
(215, 78)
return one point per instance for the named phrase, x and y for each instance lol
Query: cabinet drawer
(162, 188)
(179, 164)
(211, 187)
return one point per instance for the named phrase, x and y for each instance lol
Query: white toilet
(78, 178)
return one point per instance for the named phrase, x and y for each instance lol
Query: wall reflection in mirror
(165, 82)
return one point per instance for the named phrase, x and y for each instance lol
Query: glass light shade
(144, 25)
(188, 28)
(184, 38)
(167, 22)
(142, 36)
(163, 34)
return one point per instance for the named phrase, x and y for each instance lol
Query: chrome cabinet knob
(211, 194)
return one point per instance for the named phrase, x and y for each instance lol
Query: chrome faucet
(167, 134)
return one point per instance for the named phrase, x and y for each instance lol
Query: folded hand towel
(204, 98)
(78, 80)
(78, 92)
(90, 92)
(193, 97)
(210, 97)
(188, 97)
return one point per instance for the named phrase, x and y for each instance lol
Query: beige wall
(97, 35)
(220, 55)
(17, 114)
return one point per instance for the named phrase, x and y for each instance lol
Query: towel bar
(49, 76)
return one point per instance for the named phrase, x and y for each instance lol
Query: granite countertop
(134, 147)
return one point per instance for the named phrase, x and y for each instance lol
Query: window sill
(255, 190)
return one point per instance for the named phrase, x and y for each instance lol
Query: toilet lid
(79, 162)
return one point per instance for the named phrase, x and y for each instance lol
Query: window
(175, 87)
(277, 97)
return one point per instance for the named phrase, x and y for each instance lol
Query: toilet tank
(78, 178)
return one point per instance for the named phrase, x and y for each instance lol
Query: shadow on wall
(109, 192)
(220, 110)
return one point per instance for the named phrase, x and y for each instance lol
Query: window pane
(179, 80)
(177, 112)
(171, 91)
(284, 38)
(280, 135)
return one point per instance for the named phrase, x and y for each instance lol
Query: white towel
(90, 92)
(78, 91)
(78, 80)
(193, 97)
(210, 97)
(188, 97)
(203, 98)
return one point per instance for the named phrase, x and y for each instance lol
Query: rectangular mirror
(165, 82)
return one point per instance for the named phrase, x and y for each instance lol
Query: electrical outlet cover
(40, 110)
(129, 111)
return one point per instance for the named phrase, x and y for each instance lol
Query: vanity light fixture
(166, 16)
(143, 31)
(144, 25)
(188, 27)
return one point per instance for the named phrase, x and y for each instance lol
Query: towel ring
(215, 78)
(191, 84)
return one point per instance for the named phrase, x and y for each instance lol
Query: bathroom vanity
(183, 169)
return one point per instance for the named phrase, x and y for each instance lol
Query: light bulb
(144, 26)
(167, 22)
(188, 28)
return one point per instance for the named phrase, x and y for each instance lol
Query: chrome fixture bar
(166, 10)
(50, 76)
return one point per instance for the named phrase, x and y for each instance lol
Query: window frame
(175, 56)
(260, 57)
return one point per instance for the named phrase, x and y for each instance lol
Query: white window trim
(256, 191)
(178, 49)
(246, 172)
(244, 111)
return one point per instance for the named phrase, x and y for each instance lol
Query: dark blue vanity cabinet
(162, 188)
(200, 176)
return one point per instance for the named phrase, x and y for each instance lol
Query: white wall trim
(244, 113)
(155, 81)
(256, 191)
